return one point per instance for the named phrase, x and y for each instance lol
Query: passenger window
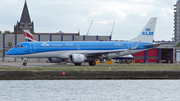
(92, 46)
(89, 46)
(111, 46)
(63, 46)
(102, 46)
(49, 46)
(74, 46)
(114, 46)
(81, 46)
(56, 46)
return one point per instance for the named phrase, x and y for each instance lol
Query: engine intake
(77, 58)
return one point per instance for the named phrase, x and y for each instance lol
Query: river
(89, 90)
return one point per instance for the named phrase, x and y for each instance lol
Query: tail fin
(147, 33)
(28, 36)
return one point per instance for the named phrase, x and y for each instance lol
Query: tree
(0, 32)
(7, 32)
(177, 45)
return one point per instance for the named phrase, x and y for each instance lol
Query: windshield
(19, 46)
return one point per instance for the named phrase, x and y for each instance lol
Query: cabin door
(32, 47)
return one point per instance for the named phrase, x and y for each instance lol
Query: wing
(103, 52)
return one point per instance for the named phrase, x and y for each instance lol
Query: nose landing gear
(25, 64)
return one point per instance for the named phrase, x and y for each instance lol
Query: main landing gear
(92, 63)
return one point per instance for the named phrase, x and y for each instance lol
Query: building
(25, 22)
(162, 54)
(177, 22)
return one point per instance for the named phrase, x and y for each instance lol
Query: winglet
(136, 45)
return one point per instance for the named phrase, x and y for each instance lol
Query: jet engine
(77, 58)
(54, 60)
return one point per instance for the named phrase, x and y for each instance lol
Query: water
(90, 90)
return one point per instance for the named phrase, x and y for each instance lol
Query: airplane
(79, 51)
(30, 38)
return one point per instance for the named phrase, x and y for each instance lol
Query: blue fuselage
(61, 49)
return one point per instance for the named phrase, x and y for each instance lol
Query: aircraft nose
(9, 53)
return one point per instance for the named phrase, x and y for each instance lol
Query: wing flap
(104, 52)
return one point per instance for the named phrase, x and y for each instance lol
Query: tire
(92, 63)
(24, 64)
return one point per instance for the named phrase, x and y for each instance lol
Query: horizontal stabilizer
(156, 44)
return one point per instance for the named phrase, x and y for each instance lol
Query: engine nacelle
(54, 60)
(77, 58)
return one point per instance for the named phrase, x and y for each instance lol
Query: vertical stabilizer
(147, 33)
(28, 36)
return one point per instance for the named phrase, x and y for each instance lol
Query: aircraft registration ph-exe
(79, 51)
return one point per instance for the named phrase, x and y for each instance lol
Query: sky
(69, 16)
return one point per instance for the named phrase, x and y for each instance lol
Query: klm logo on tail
(147, 32)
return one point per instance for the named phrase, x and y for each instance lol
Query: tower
(25, 22)
(177, 22)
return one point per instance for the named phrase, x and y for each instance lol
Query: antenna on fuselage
(89, 28)
(112, 28)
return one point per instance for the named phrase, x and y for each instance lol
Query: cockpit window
(19, 46)
(16, 46)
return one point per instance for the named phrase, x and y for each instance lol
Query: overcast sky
(68, 16)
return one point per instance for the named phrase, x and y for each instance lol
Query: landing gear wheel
(92, 63)
(24, 64)
(77, 64)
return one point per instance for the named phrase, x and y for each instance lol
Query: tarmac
(29, 64)
(58, 75)
(44, 64)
